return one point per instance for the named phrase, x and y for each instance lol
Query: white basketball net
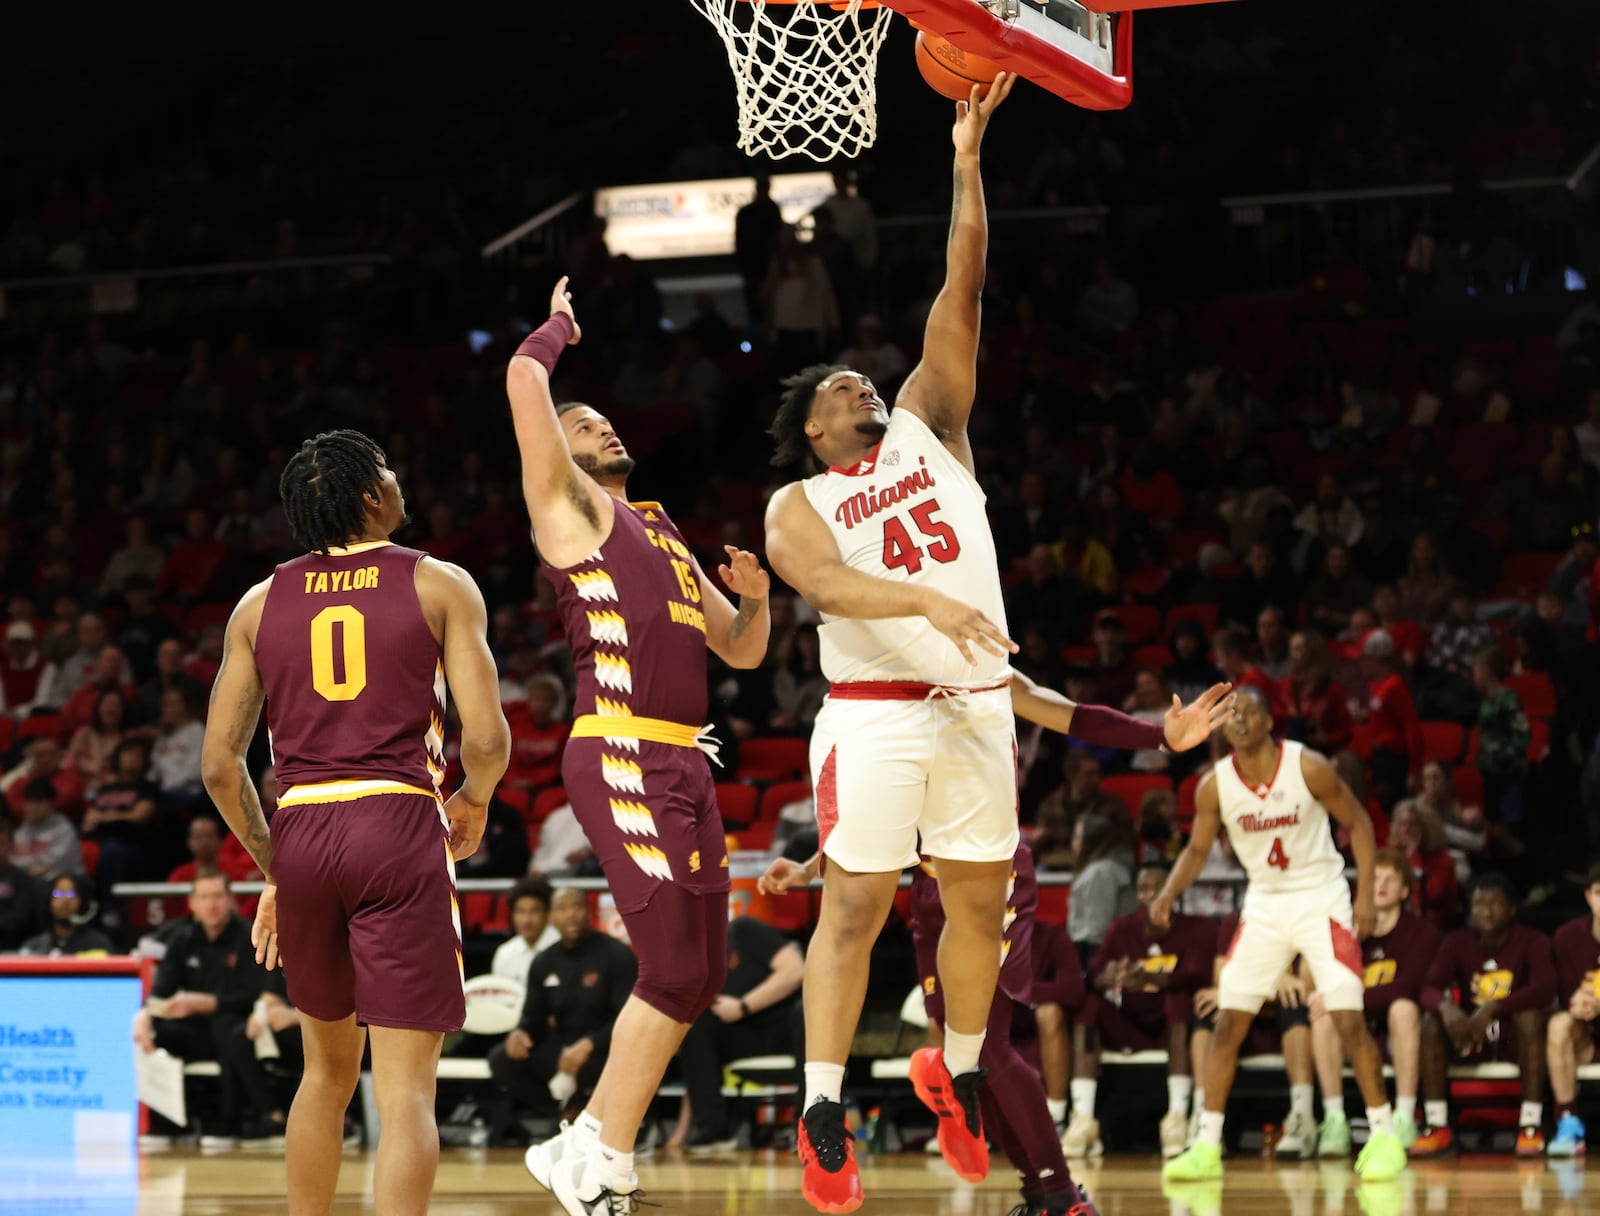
(806, 73)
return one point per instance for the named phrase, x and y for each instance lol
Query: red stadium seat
(40, 726)
(777, 759)
(1052, 907)
(203, 616)
(758, 836)
(1466, 783)
(517, 798)
(1132, 787)
(1139, 621)
(484, 912)
(1156, 655)
(1206, 614)
(737, 802)
(1361, 739)
(1526, 574)
(1443, 741)
(1147, 582)
(1080, 656)
(1186, 800)
(546, 801)
(1537, 692)
(775, 797)
(91, 856)
(1184, 544)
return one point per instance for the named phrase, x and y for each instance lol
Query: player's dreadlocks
(322, 488)
(789, 423)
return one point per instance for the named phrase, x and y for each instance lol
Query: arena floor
(492, 1183)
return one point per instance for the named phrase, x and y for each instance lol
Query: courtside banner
(695, 219)
(66, 1055)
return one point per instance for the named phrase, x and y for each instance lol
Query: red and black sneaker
(1071, 1202)
(955, 1101)
(829, 1179)
(1435, 1142)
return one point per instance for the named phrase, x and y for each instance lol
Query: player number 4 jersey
(1279, 832)
(911, 512)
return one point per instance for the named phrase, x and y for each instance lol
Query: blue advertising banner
(66, 1064)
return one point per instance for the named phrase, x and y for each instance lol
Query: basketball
(951, 71)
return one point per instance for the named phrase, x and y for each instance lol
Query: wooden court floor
(475, 1182)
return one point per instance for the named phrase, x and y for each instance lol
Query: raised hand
(972, 115)
(743, 575)
(966, 627)
(561, 301)
(1191, 725)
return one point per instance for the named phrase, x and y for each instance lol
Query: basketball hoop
(806, 73)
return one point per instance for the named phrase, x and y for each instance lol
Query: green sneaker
(1382, 1159)
(1200, 1162)
(1333, 1137)
(1405, 1130)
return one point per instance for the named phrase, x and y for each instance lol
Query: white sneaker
(1174, 1134)
(566, 1180)
(1299, 1139)
(1082, 1137)
(217, 1143)
(1193, 1132)
(542, 1158)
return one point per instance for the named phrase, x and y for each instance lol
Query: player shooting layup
(916, 734)
(352, 646)
(1275, 800)
(639, 615)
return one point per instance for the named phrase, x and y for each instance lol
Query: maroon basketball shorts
(368, 921)
(1016, 968)
(650, 813)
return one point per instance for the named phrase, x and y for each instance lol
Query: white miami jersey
(1280, 833)
(910, 512)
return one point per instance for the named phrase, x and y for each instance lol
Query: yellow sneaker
(1200, 1162)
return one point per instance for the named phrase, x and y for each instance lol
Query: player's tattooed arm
(236, 700)
(737, 636)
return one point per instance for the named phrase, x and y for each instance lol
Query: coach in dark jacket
(576, 988)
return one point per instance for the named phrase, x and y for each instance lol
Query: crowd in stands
(1388, 529)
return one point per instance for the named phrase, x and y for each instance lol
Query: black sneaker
(709, 1140)
(967, 1088)
(1071, 1202)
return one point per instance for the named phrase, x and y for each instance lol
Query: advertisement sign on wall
(695, 219)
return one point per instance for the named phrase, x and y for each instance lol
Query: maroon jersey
(1577, 958)
(1184, 953)
(1518, 973)
(635, 623)
(355, 687)
(1394, 965)
(1016, 945)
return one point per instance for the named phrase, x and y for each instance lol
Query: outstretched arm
(1183, 728)
(940, 389)
(568, 509)
(236, 699)
(805, 555)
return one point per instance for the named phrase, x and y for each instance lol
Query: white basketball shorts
(890, 763)
(1277, 926)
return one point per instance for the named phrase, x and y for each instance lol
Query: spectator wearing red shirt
(1227, 652)
(538, 734)
(43, 763)
(20, 667)
(1416, 832)
(1318, 715)
(1151, 490)
(1410, 642)
(202, 666)
(1396, 729)
(191, 569)
(107, 677)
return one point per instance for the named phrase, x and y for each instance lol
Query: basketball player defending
(1275, 800)
(639, 615)
(352, 647)
(1015, 1110)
